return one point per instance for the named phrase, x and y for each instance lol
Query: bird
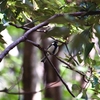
(52, 48)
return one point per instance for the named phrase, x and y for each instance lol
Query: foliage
(80, 33)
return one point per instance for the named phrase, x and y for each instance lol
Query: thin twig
(30, 92)
(69, 66)
(56, 71)
(70, 54)
(35, 44)
(22, 27)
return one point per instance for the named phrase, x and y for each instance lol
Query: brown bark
(30, 66)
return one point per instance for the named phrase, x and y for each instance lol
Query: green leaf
(88, 48)
(65, 19)
(95, 97)
(96, 1)
(1, 16)
(59, 20)
(1, 39)
(3, 5)
(84, 96)
(76, 42)
(86, 34)
(76, 89)
(73, 20)
(59, 32)
(1, 47)
(79, 58)
(95, 79)
(97, 28)
(2, 27)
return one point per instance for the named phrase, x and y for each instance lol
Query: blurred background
(22, 74)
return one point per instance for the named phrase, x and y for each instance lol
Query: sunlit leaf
(82, 69)
(1, 16)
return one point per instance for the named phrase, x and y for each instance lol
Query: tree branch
(23, 38)
(81, 13)
(56, 71)
(52, 66)
(11, 46)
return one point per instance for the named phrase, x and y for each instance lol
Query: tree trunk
(50, 76)
(31, 69)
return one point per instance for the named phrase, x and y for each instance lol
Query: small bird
(52, 48)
